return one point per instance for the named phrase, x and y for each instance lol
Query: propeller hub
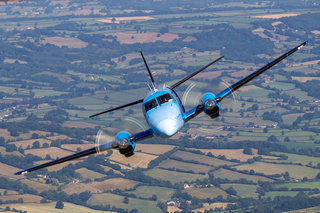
(123, 143)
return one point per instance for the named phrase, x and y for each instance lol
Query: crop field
(25, 143)
(203, 193)
(172, 176)
(232, 175)
(54, 152)
(8, 171)
(297, 172)
(27, 198)
(117, 200)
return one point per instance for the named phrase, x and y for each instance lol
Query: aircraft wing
(245, 80)
(103, 147)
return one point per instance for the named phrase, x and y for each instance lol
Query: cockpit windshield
(150, 104)
(164, 98)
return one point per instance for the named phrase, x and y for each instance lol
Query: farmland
(62, 61)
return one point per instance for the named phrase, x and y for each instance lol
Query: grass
(203, 193)
(274, 194)
(163, 194)
(309, 185)
(144, 206)
(243, 190)
(232, 175)
(172, 176)
(188, 156)
(197, 168)
(38, 186)
(49, 208)
(295, 171)
(303, 159)
(88, 174)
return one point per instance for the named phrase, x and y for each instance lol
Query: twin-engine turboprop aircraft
(164, 113)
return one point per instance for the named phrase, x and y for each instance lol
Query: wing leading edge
(111, 145)
(245, 80)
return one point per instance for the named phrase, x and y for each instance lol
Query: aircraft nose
(168, 127)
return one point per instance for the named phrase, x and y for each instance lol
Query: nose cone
(168, 127)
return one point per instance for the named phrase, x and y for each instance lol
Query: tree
(231, 191)
(59, 205)
(126, 200)
(247, 151)
(36, 145)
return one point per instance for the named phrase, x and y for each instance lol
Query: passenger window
(150, 104)
(164, 98)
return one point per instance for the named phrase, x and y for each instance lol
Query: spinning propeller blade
(245, 80)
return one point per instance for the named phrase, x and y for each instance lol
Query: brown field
(118, 20)
(156, 149)
(133, 37)
(137, 160)
(24, 144)
(27, 198)
(58, 137)
(247, 88)
(277, 16)
(9, 192)
(88, 174)
(241, 74)
(314, 62)
(73, 147)
(304, 79)
(173, 209)
(203, 193)
(208, 75)
(68, 42)
(4, 152)
(231, 175)
(8, 171)
(6, 134)
(78, 124)
(99, 187)
(235, 154)
(316, 32)
(38, 186)
(54, 152)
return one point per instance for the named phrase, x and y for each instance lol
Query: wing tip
(21, 172)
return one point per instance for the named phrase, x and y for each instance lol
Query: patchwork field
(54, 152)
(232, 175)
(137, 160)
(204, 193)
(163, 194)
(297, 172)
(172, 176)
(144, 206)
(243, 190)
(178, 165)
(99, 187)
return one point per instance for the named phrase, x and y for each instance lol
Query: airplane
(164, 113)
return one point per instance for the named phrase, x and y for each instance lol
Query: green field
(197, 168)
(232, 175)
(203, 193)
(163, 194)
(117, 200)
(301, 185)
(172, 176)
(295, 171)
(243, 190)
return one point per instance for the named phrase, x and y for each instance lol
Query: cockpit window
(150, 104)
(164, 98)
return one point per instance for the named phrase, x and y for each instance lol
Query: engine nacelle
(211, 107)
(126, 146)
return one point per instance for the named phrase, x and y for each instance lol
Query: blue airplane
(164, 112)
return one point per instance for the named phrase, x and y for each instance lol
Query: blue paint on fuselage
(165, 119)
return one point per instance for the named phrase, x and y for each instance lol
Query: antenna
(145, 62)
